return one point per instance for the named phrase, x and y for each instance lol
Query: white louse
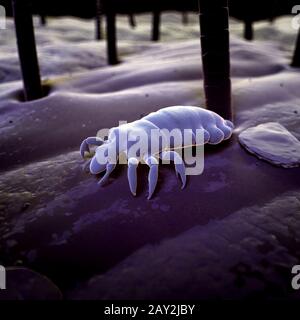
(212, 126)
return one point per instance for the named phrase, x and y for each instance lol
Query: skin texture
(120, 139)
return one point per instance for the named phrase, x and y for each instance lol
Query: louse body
(147, 140)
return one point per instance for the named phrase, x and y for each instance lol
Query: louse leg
(86, 166)
(132, 174)
(109, 169)
(153, 173)
(95, 167)
(179, 164)
(84, 147)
